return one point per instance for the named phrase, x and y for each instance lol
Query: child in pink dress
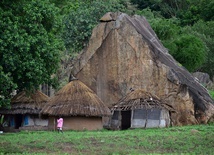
(60, 124)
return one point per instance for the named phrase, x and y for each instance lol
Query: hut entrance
(126, 119)
(18, 121)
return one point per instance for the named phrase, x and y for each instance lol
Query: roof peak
(72, 78)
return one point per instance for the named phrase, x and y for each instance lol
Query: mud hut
(79, 106)
(140, 109)
(24, 111)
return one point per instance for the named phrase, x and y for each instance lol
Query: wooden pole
(54, 124)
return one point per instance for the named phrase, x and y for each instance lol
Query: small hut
(140, 109)
(79, 106)
(24, 111)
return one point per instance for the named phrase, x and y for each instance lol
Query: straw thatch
(140, 99)
(24, 103)
(75, 99)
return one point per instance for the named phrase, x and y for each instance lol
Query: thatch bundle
(140, 99)
(24, 103)
(75, 99)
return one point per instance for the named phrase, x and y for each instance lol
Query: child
(59, 124)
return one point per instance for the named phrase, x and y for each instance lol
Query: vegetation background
(37, 35)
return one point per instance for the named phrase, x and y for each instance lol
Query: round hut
(140, 109)
(25, 110)
(79, 106)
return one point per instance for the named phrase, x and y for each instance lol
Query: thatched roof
(76, 99)
(140, 99)
(24, 103)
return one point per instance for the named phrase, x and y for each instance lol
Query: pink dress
(59, 123)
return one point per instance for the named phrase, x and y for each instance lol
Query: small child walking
(59, 124)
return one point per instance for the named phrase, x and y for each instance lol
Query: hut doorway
(126, 119)
(18, 121)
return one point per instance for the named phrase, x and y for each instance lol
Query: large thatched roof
(139, 99)
(24, 103)
(76, 99)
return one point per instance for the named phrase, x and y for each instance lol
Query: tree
(207, 9)
(189, 51)
(29, 46)
(167, 8)
(187, 11)
(6, 85)
(204, 31)
(143, 4)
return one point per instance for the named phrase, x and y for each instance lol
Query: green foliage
(189, 17)
(211, 92)
(29, 47)
(143, 4)
(166, 8)
(207, 9)
(188, 12)
(83, 17)
(204, 31)
(6, 85)
(189, 51)
(66, 5)
(148, 13)
(165, 28)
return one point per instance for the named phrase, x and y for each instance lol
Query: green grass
(197, 139)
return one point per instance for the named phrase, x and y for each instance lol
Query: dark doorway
(126, 119)
(18, 121)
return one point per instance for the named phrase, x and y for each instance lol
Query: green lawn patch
(197, 139)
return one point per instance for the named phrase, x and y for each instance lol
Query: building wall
(138, 119)
(28, 122)
(77, 123)
(143, 118)
(153, 118)
(41, 122)
(8, 121)
(150, 118)
(34, 120)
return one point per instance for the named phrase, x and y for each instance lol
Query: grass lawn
(198, 139)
